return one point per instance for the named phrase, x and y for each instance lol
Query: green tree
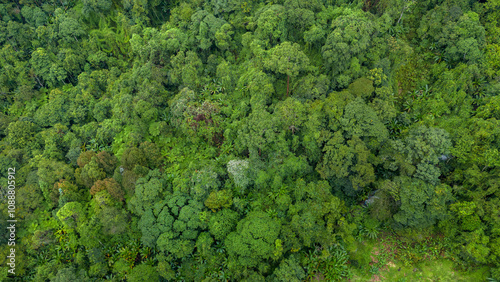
(346, 43)
(290, 270)
(96, 6)
(143, 272)
(34, 15)
(29, 199)
(458, 35)
(314, 36)
(257, 85)
(46, 66)
(21, 134)
(70, 30)
(219, 199)
(259, 134)
(422, 204)
(66, 191)
(186, 69)
(204, 27)
(49, 172)
(177, 225)
(360, 120)
(254, 239)
(72, 215)
(157, 46)
(152, 153)
(222, 223)
(287, 58)
(313, 215)
(147, 191)
(420, 153)
(348, 159)
(54, 111)
(223, 37)
(70, 274)
(271, 24)
(133, 157)
(90, 173)
(292, 114)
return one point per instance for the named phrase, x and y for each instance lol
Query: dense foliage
(206, 140)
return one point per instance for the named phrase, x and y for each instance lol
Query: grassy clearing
(383, 260)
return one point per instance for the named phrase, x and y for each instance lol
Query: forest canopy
(204, 140)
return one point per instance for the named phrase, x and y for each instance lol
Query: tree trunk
(287, 84)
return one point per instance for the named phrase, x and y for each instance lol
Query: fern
(331, 263)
